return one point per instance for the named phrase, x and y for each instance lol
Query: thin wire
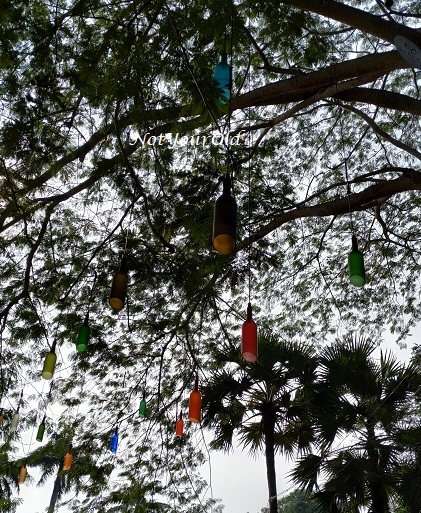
(126, 241)
(230, 68)
(33, 429)
(189, 68)
(249, 168)
(345, 159)
(91, 292)
(230, 159)
(130, 216)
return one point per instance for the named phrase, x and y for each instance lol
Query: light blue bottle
(114, 441)
(222, 76)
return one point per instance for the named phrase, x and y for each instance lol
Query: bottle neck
(354, 243)
(249, 312)
(226, 191)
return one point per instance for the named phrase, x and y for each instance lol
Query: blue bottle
(222, 76)
(114, 441)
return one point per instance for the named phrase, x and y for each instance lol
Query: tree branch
(362, 20)
(382, 133)
(409, 181)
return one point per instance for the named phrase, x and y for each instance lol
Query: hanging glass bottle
(222, 76)
(23, 473)
(15, 421)
(142, 406)
(40, 432)
(195, 403)
(83, 335)
(119, 286)
(114, 441)
(50, 362)
(68, 458)
(179, 426)
(249, 338)
(15, 418)
(225, 220)
(356, 264)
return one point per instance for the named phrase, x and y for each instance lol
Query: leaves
(78, 81)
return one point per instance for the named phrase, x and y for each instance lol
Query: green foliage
(79, 82)
(295, 502)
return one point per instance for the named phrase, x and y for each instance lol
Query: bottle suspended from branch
(225, 220)
(142, 406)
(68, 458)
(50, 362)
(179, 426)
(195, 403)
(249, 337)
(114, 441)
(83, 335)
(119, 286)
(356, 265)
(223, 77)
(40, 432)
(23, 473)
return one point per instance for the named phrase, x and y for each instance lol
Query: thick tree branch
(293, 89)
(329, 91)
(409, 181)
(359, 19)
(382, 98)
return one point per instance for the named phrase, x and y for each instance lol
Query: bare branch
(382, 133)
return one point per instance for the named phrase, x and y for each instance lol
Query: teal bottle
(222, 76)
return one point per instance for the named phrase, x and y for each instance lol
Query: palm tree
(261, 402)
(409, 472)
(360, 411)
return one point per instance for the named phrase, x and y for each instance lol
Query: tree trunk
(269, 433)
(378, 494)
(56, 491)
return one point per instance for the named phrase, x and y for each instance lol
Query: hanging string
(230, 84)
(33, 429)
(230, 54)
(345, 159)
(126, 241)
(20, 400)
(348, 185)
(91, 293)
(249, 166)
(187, 63)
(131, 214)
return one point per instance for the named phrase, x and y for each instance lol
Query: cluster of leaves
(331, 109)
